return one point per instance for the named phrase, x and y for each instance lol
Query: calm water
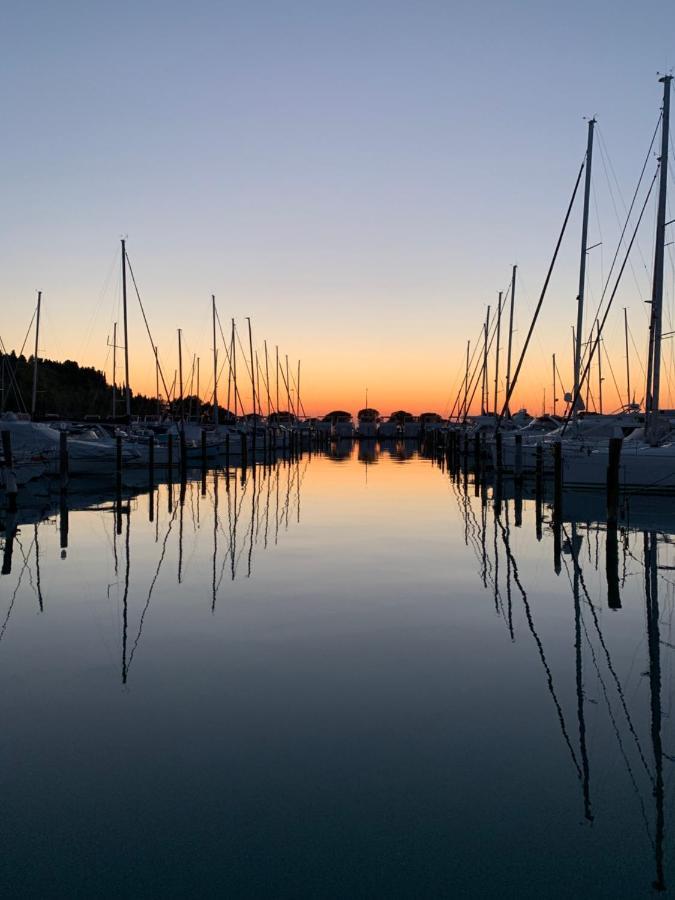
(345, 677)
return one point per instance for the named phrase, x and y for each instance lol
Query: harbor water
(355, 674)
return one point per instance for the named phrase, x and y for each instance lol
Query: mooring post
(538, 487)
(613, 461)
(10, 534)
(498, 451)
(63, 461)
(169, 455)
(63, 524)
(151, 458)
(227, 451)
(557, 506)
(518, 462)
(244, 450)
(10, 478)
(612, 566)
(183, 455)
(203, 448)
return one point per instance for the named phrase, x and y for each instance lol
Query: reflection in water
(288, 680)
(639, 511)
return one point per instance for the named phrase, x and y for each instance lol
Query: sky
(357, 178)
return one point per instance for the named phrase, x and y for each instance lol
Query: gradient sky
(356, 177)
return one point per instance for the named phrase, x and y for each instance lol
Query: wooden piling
(63, 461)
(614, 458)
(10, 479)
(518, 463)
(498, 451)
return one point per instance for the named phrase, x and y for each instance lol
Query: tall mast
(654, 362)
(114, 372)
(466, 381)
(233, 363)
(250, 345)
(582, 262)
(484, 390)
(126, 329)
(554, 397)
(599, 367)
(508, 351)
(288, 388)
(267, 381)
(159, 403)
(215, 361)
(277, 371)
(198, 397)
(35, 355)
(180, 375)
(298, 386)
(625, 329)
(499, 330)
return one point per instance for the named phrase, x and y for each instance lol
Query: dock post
(63, 461)
(476, 451)
(118, 467)
(227, 451)
(498, 451)
(10, 479)
(518, 463)
(151, 459)
(183, 455)
(557, 506)
(169, 454)
(244, 450)
(538, 487)
(613, 461)
(203, 448)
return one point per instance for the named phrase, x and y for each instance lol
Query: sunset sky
(358, 178)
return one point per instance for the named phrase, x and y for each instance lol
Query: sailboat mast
(159, 403)
(35, 355)
(250, 346)
(599, 368)
(298, 386)
(499, 331)
(582, 260)
(625, 329)
(126, 329)
(180, 375)
(267, 381)
(554, 396)
(654, 368)
(277, 371)
(114, 371)
(233, 363)
(466, 381)
(510, 342)
(288, 388)
(215, 361)
(484, 389)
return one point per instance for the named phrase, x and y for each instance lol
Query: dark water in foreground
(336, 680)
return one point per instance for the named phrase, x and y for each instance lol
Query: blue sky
(357, 177)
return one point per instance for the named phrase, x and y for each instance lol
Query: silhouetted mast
(499, 332)
(126, 329)
(654, 361)
(215, 361)
(582, 260)
(508, 351)
(35, 356)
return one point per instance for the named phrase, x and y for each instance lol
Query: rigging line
(621, 241)
(228, 358)
(152, 587)
(480, 362)
(28, 332)
(604, 155)
(615, 727)
(610, 666)
(147, 326)
(16, 591)
(609, 305)
(512, 386)
(542, 655)
(611, 369)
